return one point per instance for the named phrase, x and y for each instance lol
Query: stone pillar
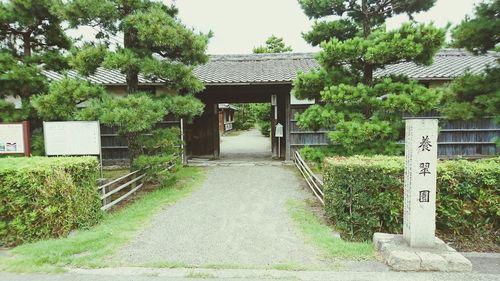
(419, 222)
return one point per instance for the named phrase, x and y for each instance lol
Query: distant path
(237, 217)
(249, 145)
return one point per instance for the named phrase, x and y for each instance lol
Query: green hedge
(364, 195)
(44, 197)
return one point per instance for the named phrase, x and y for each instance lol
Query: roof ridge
(261, 57)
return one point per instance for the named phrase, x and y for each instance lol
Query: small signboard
(72, 138)
(14, 138)
(279, 131)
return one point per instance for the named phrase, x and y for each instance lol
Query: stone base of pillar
(401, 257)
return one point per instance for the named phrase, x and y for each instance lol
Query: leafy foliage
(273, 45)
(46, 197)
(316, 155)
(162, 141)
(9, 112)
(62, 100)
(472, 96)
(251, 114)
(364, 195)
(186, 107)
(365, 114)
(37, 142)
(131, 116)
(31, 39)
(88, 58)
(151, 31)
(161, 155)
(481, 33)
(244, 117)
(160, 169)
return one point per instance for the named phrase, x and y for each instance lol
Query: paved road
(237, 217)
(245, 275)
(247, 146)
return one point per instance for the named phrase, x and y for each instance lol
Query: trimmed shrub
(364, 195)
(44, 197)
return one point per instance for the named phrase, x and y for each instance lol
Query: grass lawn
(90, 248)
(114, 174)
(320, 235)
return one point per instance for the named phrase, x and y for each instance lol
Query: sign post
(279, 134)
(73, 138)
(418, 248)
(419, 217)
(15, 138)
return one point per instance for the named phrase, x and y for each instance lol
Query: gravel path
(247, 146)
(237, 217)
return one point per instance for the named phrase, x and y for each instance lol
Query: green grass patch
(200, 275)
(89, 248)
(114, 174)
(290, 267)
(320, 235)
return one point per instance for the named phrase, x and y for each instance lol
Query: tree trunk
(368, 69)
(25, 90)
(132, 81)
(130, 42)
(27, 44)
(134, 148)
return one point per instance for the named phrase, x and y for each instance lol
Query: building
(268, 78)
(226, 117)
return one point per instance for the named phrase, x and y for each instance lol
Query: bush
(44, 197)
(155, 167)
(364, 195)
(265, 128)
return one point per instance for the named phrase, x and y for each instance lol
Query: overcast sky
(240, 25)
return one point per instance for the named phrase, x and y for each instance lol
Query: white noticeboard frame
(14, 138)
(72, 138)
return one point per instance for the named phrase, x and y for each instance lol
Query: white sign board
(279, 131)
(419, 221)
(72, 138)
(11, 138)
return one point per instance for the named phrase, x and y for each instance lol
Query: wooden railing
(134, 180)
(314, 183)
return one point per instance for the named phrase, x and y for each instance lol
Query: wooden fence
(121, 188)
(114, 147)
(468, 139)
(314, 183)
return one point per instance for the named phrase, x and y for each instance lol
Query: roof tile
(283, 68)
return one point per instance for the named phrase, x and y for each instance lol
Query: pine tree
(157, 45)
(273, 45)
(31, 39)
(155, 42)
(473, 96)
(364, 112)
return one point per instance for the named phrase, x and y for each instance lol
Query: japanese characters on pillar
(419, 222)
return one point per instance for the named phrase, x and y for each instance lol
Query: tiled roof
(255, 68)
(102, 77)
(283, 68)
(448, 63)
